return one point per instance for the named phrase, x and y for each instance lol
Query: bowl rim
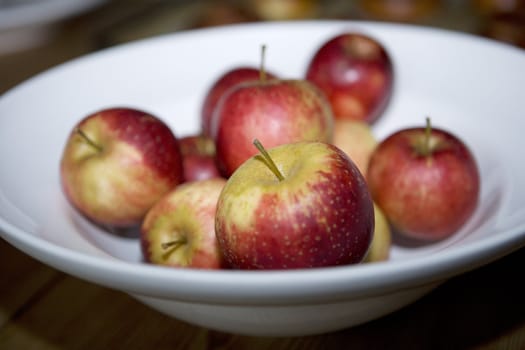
(300, 286)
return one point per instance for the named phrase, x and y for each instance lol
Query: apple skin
(274, 111)
(139, 161)
(321, 214)
(356, 139)
(356, 74)
(427, 196)
(382, 241)
(198, 158)
(186, 213)
(197, 144)
(219, 87)
(199, 167)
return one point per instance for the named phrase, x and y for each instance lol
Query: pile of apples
(284, 173)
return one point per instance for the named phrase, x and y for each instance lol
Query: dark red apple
(198, 157)
(199, 167)
(223, 84)
(274, 111)
(356, 74)
(426, 181)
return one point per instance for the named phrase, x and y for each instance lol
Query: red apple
(199, 167)
(179, 230)
(226, 81)
(356, 139)
(117, 163)
(198, 158)
(297, 205)
(275, 111)
(426, 181)
(356, 74)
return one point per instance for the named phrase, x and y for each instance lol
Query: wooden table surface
(42, 308)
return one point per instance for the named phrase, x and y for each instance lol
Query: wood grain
(22, 280)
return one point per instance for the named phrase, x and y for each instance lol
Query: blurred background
(37, 34)
(500, 19)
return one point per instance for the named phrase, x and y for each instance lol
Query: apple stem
(262, 69)
(88, 140)
(175, 243)
(428, 131)
(268, 160)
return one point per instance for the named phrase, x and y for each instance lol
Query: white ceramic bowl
(468, 85)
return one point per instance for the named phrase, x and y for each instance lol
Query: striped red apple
(298, 205)
(179, 230)
(117, 162)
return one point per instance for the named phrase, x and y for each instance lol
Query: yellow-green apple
(219, 87)
(275, 111)
(117, 163)
(356, 73)
(179, 230)
(198, 158)
(426, 181)
(297, 205)
(356, 139)
(382, 241)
